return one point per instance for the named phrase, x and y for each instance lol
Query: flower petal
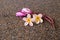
(34, 15)
(25, 23)
(20, 14)
(40, 15)
(28, 16)
(41, 20)
(37, 22)
(24, 19)
(33, 19)
(26, 10)
(31, 24)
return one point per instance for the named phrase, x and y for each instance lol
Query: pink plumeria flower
(28, 20)
(37, 18)
(26, 10)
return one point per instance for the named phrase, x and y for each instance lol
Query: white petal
(31, 24)
(24, 19)
(29, 16)
(41, 21)
(33, 19)
(34, 15)
(37, 22)
(40, 15)
(25, 23)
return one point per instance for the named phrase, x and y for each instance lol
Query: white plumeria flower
(28, 20)
(37, 18)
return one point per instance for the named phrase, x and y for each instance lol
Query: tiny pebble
(0, 24)
(9, 23)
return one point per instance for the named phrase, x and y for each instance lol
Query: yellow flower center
(37, 18)
(28, 20)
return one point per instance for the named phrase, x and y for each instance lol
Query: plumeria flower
(24, 12)
(28, 20)
(37, 18)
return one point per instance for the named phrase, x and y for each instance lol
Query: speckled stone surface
(12, 28)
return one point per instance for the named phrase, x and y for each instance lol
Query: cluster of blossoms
(28, 19)
(36, 18)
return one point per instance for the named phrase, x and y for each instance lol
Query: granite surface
(12, 28)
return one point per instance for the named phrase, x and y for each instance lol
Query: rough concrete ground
(12, 28)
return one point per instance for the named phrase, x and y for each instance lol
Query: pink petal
(26, 11)
(20, 14)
